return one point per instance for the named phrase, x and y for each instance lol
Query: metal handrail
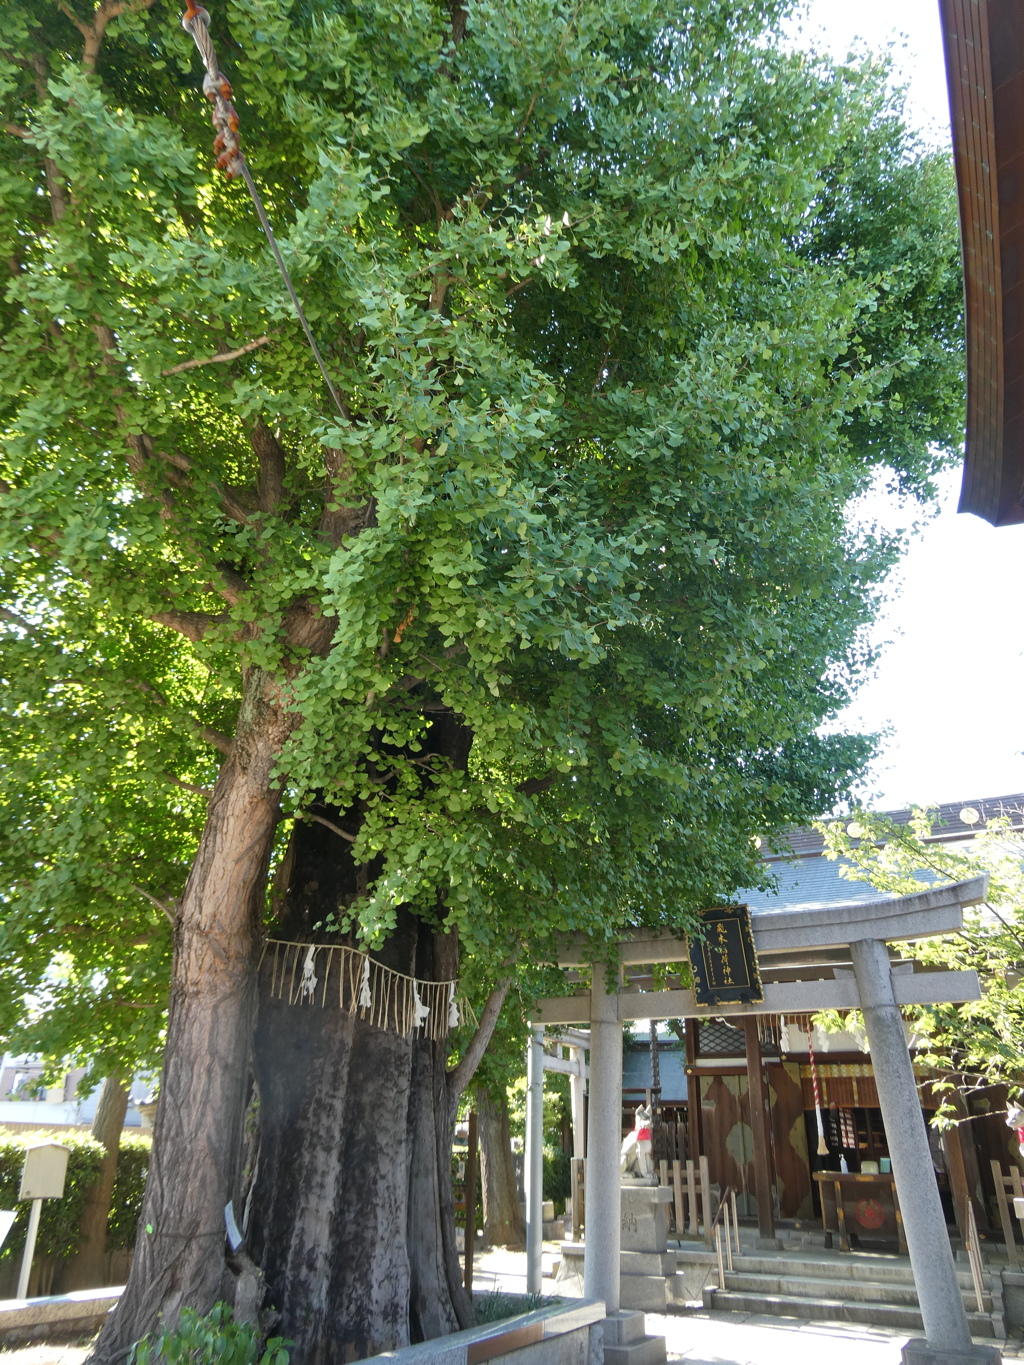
(974, 1255)
(726, 1201)
(722, 1203)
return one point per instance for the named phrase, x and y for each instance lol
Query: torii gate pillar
(604, 1141)
(948, 1337)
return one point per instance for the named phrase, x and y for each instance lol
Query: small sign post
(42, 1177)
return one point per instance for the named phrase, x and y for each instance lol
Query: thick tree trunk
(352, 1211)
(86, 1269)
(504, 1224)
(197, 1143)
(353, 1220)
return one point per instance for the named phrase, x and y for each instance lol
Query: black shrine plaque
(724, 961)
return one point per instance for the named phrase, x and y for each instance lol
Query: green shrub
(215, 1339)
(496, 1305)
(557, 1178)
(60, 1223)
(129, 1187)
(61, 1218)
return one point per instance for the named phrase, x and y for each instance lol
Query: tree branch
(336, 829)
(341, 517)
(462, 1074)
(207, 732)
(102, 15)
(232, 585)
(221, 358)
(215, 737)
(12, 618)
(172, 915)
(187, 786)
(192, 624)
(268, 451)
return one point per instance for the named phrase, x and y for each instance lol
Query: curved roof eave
(984, 47)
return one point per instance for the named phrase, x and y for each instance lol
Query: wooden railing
(1008, 1188)
(689, 1182)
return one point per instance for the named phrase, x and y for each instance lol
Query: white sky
(950, 685)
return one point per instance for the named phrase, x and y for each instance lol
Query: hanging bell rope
(822, 1144)
(217, 89)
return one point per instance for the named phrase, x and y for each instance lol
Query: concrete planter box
(564, 1334)
(59, 1315)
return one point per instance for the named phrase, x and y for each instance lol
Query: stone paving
(692, 1335)
(702, 1338)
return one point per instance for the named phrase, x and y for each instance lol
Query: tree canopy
(979, 1043)
(621, 322)
(624, 302)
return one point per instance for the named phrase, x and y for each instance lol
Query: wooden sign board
(42, 1176)
(724, 960)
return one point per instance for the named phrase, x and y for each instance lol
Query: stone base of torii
(811, 960)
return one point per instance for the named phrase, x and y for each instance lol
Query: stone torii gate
(810, 960)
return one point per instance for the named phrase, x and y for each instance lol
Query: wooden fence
(691, 1211)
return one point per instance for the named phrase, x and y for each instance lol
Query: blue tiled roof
(812, 884)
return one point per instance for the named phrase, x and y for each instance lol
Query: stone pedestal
(947, 1333)
(644, 1213)
(626, 1341)
(918, 1352)
(647, 1269)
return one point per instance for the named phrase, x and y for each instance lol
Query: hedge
(129, 1187)
(59, 1225)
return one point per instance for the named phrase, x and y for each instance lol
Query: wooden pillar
(694, 1133)
(969, 1154)
(761, 1130)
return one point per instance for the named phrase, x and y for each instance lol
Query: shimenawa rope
(322, 973)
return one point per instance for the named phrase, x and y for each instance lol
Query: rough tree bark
(86, 1270)
(197, 1142)
(349, 1212)
(352, 1209)
(504, 1224)
(353, 1224)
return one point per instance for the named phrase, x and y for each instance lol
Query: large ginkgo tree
(532, 631)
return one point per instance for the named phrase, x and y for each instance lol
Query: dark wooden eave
(984, 45)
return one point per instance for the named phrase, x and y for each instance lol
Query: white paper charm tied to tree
(308, 983)
(354, 981)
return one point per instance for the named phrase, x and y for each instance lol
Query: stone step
(650, 1293)
(866, 1291)
(647, 1262)
(646, 1351)
(626, 1341)
(624, 1327)
(898, 1316)
(843, 1266)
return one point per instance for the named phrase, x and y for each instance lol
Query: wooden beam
(694, 1120)
(760, 1128)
